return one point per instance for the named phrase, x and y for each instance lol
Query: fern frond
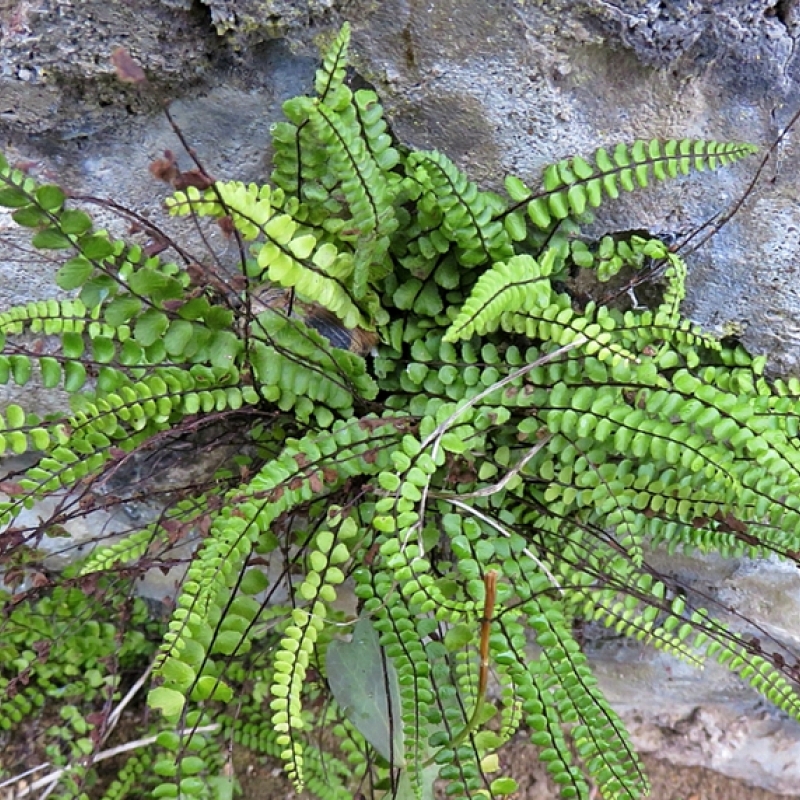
(126, 550)
(468, 214)
(614, 253)
(521, 284)
(542, 718)
(125, 415)
(516, 296)
(284, 483)
(331, 73)
(760, 674)
(600, 737)
(532, 445)
(299, 643)
(370, 193)
(572, 185)
(326, 776)
(290, 255)
(694, 636)
(295, 367)
(298, 164)
(675, 291)
(130, 777)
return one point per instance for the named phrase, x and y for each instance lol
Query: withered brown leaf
(127, 68)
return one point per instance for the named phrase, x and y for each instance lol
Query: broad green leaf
(51, 239)
(50, 198)
(121, 309)
(169, 701)
(75, 222)
(150, 326)
(95, 246)
(358, 673)
(74, 273)
(209, 688)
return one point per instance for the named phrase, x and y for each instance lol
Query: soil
(692, 783)
(265, 782)
(263, 779)
(669, 782)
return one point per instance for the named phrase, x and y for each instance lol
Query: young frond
(468, 215)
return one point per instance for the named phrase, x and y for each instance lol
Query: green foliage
(63, 656)
(384, 528)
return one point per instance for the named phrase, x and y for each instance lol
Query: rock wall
(500, 87)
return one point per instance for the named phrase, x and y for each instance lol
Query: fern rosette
(401, 539)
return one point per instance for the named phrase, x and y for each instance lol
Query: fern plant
(400, 547)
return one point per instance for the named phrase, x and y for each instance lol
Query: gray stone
(708, 717)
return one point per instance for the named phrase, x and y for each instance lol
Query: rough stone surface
(709, 717)
(502, 86)
(699, 718)
(55, 73)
